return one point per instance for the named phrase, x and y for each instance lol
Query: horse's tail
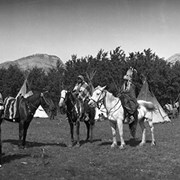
(148, 105)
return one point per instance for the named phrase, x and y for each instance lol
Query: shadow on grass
(131, 142)
(33, 144)
(82, 142)
(12, 157)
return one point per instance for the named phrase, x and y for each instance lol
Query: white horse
(115, 114)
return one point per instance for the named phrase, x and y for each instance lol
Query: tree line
(162, 76)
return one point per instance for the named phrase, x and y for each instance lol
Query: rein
(30, 104)
(102, 101)
(42, 95)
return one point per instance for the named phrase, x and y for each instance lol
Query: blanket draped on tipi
(11, 104)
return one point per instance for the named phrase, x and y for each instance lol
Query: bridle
(45, 100)
(100, 101)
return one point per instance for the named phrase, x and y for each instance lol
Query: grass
(49, 157)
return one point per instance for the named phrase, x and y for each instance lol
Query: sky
(83, 27)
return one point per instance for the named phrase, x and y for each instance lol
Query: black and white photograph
(89, 89)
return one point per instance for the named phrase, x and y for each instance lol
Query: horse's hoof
(21, 147)
(77, 145)
(70, 145)
(122, 147)
(153, 144)
(134, 139)
(113, 145)
(141, 144)
(87, 139)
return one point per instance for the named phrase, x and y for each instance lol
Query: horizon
(82, 27)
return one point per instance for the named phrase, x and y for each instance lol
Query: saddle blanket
(10, 108)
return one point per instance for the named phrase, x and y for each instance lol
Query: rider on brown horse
(82, 91)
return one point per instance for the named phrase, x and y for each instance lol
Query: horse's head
(97, 96)
(47, 102)
(36, 98)
(67, 99)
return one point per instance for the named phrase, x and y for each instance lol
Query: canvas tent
(159, 116)
(40, 113)
(11, 103)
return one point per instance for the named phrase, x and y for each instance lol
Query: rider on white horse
(128, 98)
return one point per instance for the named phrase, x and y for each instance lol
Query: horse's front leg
(143, 128)
(23, 127)
(92, 124)
(21, 133)
(113, 128)
(91, 132)
(77, 133)
(88, 129)
(72, 133)
(153, 142)
(120, 128)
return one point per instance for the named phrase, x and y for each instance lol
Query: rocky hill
(37, 60)
(174, 58)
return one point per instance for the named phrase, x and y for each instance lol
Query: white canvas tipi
(159, 116)
(40, 113)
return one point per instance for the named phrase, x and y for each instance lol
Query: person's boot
(131, 119)
(128, 119)
(86, 117)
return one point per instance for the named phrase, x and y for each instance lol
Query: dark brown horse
(71, 107)
(26, 107)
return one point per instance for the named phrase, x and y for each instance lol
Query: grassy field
(49, 157)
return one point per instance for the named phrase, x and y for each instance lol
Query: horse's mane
(109, 93)
(111, 96)
(70, 96)
(34, 96)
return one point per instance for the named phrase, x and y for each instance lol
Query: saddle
(83, 109)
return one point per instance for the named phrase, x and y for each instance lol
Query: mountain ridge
(174, 58)
(43, 61)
